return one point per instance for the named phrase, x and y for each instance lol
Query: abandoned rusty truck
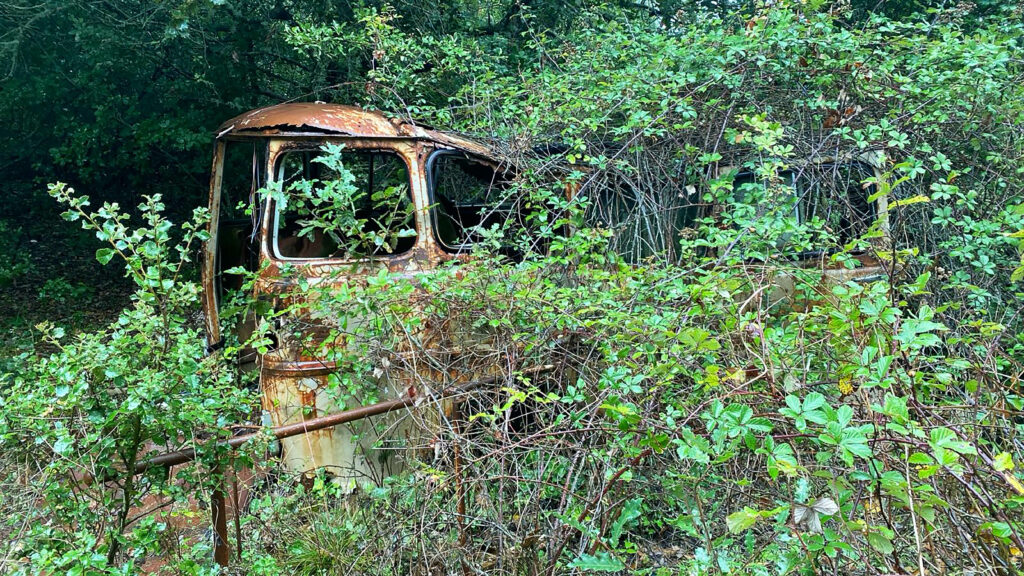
(438, 186)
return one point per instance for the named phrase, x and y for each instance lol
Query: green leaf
(879, 542)
(150, 249)
(600, 562)
(63, 445)
(741, 520)
(858, 447)
(920, 459)
(945, 438)
(630, 512)
(813, 401)
(103, 255)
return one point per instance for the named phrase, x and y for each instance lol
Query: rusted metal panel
(209, 264)
(340, 120)
(294, 385)
(169, 459)
(351, 453)
(219, 514)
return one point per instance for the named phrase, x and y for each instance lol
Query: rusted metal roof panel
(341, 120)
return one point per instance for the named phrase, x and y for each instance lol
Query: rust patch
(340, 120)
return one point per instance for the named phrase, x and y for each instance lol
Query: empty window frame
(832, 193)
(237, 225)
(643, 222)
(360, 208)
(835, 195)
(467, 196)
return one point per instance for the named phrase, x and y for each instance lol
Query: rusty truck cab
(443, 180)
(445, 185)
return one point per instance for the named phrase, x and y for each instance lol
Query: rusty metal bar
(219, 512)
(237, 511)
(288, 430)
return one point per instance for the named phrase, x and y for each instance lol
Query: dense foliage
(80, 420)
(692, 416)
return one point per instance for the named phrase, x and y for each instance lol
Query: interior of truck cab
(470, 197)
(356, 207)
(467, 195)
(237, 231)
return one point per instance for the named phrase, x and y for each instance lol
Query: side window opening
(751, 191)
(830, 193)
(237, 238)
(468, 196)
(343, 204)
(833, 194)
(237, 226)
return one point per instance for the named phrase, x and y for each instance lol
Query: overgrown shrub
(685, 412)
(692, 420)
(80, 420)
(660, 407)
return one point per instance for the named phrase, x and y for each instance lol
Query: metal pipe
(288, 430)
(218, 509)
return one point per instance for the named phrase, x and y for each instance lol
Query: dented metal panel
(312, 118)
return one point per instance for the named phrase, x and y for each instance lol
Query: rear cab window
(644, 223)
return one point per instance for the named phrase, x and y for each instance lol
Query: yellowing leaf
(1003, 461)
(1014, 483)
(741, 520)
(908, 201)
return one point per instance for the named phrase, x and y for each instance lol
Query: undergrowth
(718, 397)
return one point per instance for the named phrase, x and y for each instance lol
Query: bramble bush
(698, 418)
(79, 420)
(692, 422)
